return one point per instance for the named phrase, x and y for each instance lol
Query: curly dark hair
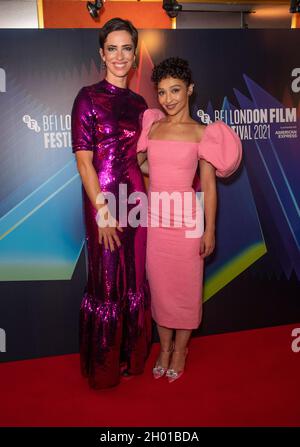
(173, 67)
(117, 24)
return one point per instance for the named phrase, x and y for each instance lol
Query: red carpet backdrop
(252, 280)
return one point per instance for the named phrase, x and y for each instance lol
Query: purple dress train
(115, 318)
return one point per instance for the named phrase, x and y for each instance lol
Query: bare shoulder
(199, 129)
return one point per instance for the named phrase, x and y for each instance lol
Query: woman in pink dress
(172, 144)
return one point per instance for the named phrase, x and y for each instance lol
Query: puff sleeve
(149, 117)
(221, 147)
(82, 123)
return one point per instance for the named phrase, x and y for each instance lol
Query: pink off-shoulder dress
(173, 262)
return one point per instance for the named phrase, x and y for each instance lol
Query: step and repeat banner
(250, 79)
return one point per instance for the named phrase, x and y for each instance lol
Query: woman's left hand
(207, 244)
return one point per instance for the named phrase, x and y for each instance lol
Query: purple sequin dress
(115, 318)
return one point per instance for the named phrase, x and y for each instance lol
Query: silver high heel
(173, 375)
(159, 371)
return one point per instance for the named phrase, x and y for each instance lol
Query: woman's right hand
(107, 225)
(107, 229)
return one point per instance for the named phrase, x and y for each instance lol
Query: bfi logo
(2, 80)
(2, 340)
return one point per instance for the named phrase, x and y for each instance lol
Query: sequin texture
(115, 319)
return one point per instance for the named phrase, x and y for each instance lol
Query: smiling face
(118, 54)
(173, 95)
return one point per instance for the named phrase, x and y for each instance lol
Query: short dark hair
(117, 24)
(173, 67)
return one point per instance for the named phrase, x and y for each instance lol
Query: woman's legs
(180, 349)
(165, 336)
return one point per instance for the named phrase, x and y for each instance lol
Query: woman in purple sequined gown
(115, 319)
